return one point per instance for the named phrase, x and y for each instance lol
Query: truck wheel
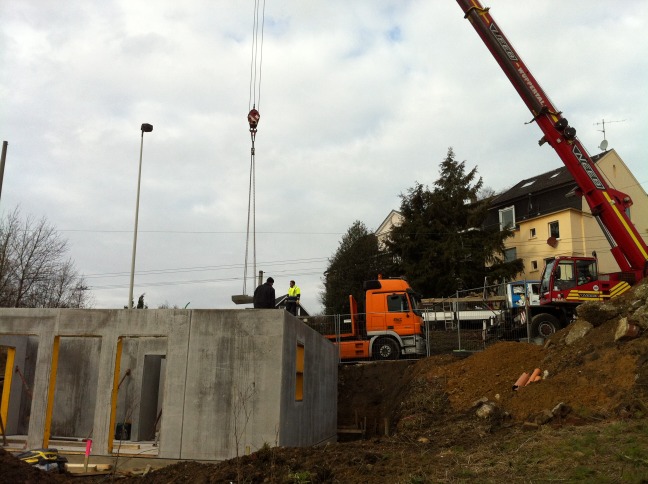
(386, 349)
(544, 325)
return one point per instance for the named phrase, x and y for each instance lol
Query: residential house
(392, 220)
(549, 219)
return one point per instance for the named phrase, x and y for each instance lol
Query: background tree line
(35, 270)
(440, 247)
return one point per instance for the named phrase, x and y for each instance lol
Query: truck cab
(572, 280)
(519, 292)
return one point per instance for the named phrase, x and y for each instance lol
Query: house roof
(387, 223)
(543, 182)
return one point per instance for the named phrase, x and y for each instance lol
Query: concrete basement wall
(223, 382)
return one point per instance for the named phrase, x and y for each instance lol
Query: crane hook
(253, 119)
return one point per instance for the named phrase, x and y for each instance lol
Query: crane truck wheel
(544, 325)
(386, 349)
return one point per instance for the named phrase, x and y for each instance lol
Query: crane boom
(608, 206)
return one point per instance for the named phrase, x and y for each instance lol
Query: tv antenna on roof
(604, 144)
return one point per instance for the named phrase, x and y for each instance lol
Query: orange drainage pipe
(534, 376)
(521, 381)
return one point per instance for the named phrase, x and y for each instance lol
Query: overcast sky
(359, 100)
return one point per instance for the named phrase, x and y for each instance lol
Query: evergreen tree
(441, 245)
(358, 258)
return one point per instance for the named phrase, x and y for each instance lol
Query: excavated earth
(458, 418)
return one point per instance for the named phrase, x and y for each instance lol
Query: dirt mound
(585, 369)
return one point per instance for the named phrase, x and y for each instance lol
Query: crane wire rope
(254, 103)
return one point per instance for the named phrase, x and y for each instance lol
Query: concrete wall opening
(18, 355)
(141, 368)
(75, 372)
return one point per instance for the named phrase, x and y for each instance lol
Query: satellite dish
(603, 146)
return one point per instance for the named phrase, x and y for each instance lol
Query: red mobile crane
(568, 281)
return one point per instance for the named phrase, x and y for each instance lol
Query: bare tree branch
(34, 270)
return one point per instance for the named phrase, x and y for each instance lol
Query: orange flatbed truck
(391, 326)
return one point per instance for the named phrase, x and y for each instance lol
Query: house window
(534, 265)
(554, 230)
(299, 380)
(510, 254)
(532, 233)
(507, 218)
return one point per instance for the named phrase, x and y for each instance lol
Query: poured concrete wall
(222, 382)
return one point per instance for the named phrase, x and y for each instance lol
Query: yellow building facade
(574, 231)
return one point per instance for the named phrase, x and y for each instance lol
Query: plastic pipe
(521, 381)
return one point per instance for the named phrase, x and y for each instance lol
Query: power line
(194, 232)
(310, 272)
(203, 268)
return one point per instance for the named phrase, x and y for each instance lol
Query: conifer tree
(442, 245)
(358, 258)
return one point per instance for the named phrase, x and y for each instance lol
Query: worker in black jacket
(264, 295)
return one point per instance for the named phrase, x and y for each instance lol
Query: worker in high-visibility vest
(292, 301)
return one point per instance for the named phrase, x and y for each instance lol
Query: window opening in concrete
(7, 357)
(150, 412)
(73, 388)
(299, 380)
(115, 392)
(50, 392)
(17, 369)
(138, 394)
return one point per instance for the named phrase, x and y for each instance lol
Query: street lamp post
(146, 128)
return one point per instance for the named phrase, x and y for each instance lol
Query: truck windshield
(416, 303)
(546, 275)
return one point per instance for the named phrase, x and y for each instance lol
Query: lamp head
(147, 128)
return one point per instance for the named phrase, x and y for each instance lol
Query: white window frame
(506, 210)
